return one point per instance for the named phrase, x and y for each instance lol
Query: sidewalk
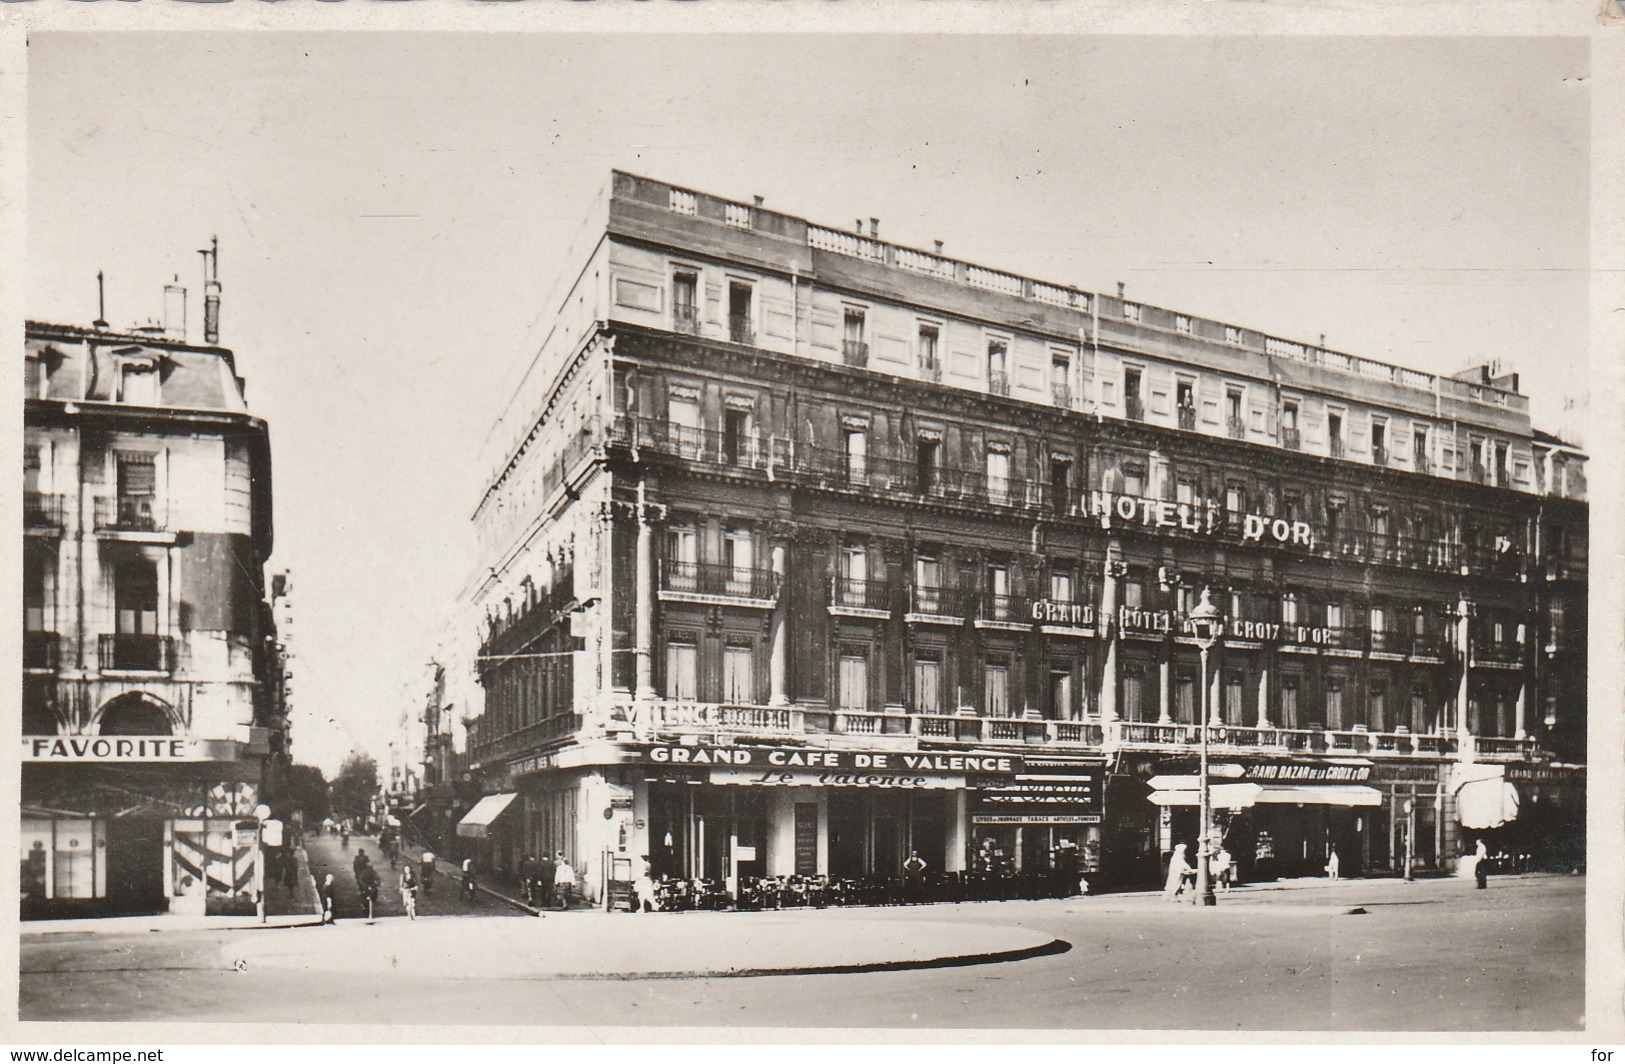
(494, 885)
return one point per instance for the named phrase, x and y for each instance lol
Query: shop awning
(477, 822)
(1484, 804)
(1247, 795)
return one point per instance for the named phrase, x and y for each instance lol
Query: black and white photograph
(836, 532)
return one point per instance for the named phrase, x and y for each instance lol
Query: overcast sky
(391, 209)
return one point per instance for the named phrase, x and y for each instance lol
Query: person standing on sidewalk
(545, 868)
(470, 888)
(1178, 869)
(1333, 866)
(426, 871)
(328, 892)
(564, 880)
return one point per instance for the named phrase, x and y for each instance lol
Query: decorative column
(1165, 686)
(1520, 719)
(1464, 734)
(1264, 689)
(778, 662)
(644, 629)
(1113, 572)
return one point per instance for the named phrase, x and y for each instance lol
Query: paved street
(1431, 955)
(443, 898)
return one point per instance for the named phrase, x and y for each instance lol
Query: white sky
(391, 209)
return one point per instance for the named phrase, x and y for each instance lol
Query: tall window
(737, 442)
(1235, 500)
(1133, 692)
(928, 464)
(1379, 441)
(137, 490)
(997, 358)
(927, 350)
(855, 349)
(854, 679)
(1334, 704)
(685, 286)
(928, 684)
(996, 687)
(857, 455)
(1419, 448)
(998, 475)
(741, 323)
(854, 575)
(1132, 399)
(738, 555)
(682, 671)
(1334, 434)
(1289, 702)
(1133, 592)
(1419, 711)
(1233, 710)
(1334, 615)
(1503, 465)
(1060, 484)
(1289, 423)
(1185, 698)
(1060, 379)
(1134, 482)
(1233, 412)
(998, 588)
(1185, 400)
(683, 414)
(682, 556)
(1377, 718)
(1061, 705)
(1060, 586)
(135, 600)
(738, 683)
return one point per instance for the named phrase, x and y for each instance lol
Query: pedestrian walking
(545, 868)
(361, 861)
(564, 880)
(1481, 865)
(1178, 870)
(328, 890)
(426, 871)
(470, 888)
(366, 885)
(409, 892)
(643, 888)
(1222, 867)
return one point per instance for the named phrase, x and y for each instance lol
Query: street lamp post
(1410, 837)
(1206, 626)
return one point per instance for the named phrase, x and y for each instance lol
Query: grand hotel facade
(802, 550)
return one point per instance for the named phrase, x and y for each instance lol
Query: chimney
(175, 310)
(759, 200)
(874, 228)
(938, 245)
(101, 302)
(1121, 289)
(211, 291)
(859, 225)
(1322, 340)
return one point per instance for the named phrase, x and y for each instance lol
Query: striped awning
(477, 822)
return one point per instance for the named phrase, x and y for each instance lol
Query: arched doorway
(135, 714)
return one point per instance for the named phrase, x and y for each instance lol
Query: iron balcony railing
(936, 601)
(860, 593)
(136, 652)
(686, 319)
(1061, 394)
(1506, 652)
(998, 383)
(1379, 454)
(1291, 439)
(40, 650)
(1422, 462)
(741, 330)
(42, 511)
(703, 578)
(1236, 427)
(1134, 408)
(930, 370)
(1013, 609)
(1187, 418)
(1398, 642)
(855, 353)
(1335, 445)
(127, 513)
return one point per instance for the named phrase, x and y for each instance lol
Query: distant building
(152, 717)
(803, 550)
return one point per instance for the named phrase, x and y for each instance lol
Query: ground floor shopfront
(734, 814)
(135, 839)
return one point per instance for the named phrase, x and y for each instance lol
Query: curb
(1052, 948)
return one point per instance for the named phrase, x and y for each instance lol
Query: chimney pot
(859, 225)
(938, 244)
(1121, 289)
(759, 200)
(874, 227)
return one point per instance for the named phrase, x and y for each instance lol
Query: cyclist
(409, 892)
(366, 883)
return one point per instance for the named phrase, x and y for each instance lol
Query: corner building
(802, 550)
(153, 722)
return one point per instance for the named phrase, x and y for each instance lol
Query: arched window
(135, 715)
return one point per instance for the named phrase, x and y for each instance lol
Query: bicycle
(369, 894)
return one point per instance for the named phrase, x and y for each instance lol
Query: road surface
(1429, 956)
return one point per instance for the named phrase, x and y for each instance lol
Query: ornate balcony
(1011, 611)
(705, 581)
(127, 513)
(42, 512)
(1236, 427)
(1291, 439)
(686, 319)
(40, 651)
(136, 652)
(998, 383)
(855, 353)
(1187, 418)
(936, 604)
(860, 597)
(1134, 408)
(741, 330)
